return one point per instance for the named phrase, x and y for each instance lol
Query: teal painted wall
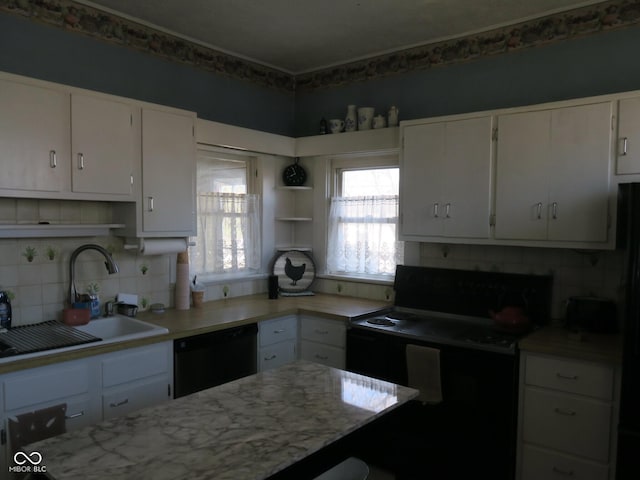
(49, 53)
(594, 65)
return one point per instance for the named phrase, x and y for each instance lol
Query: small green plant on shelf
(144, 303)
(144, 268)
(30, 253)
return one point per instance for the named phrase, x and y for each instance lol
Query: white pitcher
(392, 117)
(351, 120)
(365, 118)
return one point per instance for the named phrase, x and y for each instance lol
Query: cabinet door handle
(564, 411)
(539, 210)
(435, 210)
(80, 161)
(272, 357)
(625, 141)
(119, 404)
(150, 199)
(282, 330)
(321, 332)
(560, 471)
(554, 210)
(321, 357)
(74, 415)
(447, 209)
(53, 160)
(566, 377)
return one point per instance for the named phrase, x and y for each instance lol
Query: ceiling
(298, 36)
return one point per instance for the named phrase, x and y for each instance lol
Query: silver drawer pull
(321, 332)
(282, 330)
(150, 204)
(539, 210)
(566, 377)
(272, 357)
(321, 357)
(119, 404)
(625, 141)
(560, 471)
(80, 161)
(74, 415)
(563, 411)
(435, 210)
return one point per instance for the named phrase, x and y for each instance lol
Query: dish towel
(423, 368)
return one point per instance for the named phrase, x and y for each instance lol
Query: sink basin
(113, 329)
(118, 328)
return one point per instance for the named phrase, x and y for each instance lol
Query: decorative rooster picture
(294, 272)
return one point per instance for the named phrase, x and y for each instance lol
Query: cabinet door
(130, 397)
(628, 148)
(579, 180)
(35, 138)
(524, 150)
(421, 179)
(466, 178)
(168, 172)
(103, 146)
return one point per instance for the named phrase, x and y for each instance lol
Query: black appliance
(473, 430)
(628, 237)
(211, 359)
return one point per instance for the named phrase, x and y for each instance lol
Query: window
(363, 219)
(228, 216)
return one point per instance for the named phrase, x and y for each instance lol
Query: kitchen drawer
(580, 426)
(278, 330)
(538, 463)
(592, 379)
(330, 332)
(134, 364)
(324, 354)
(273, 356)
(125, 399)
(46, 384)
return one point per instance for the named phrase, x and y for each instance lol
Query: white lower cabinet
(277, 341)
(567, 424)
(323, 341)
(87, 391)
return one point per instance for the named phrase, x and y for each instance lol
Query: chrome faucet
(110, 264)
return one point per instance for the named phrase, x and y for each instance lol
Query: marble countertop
(605, 347)
(247, 429)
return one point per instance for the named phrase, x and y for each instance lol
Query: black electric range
(448, 310)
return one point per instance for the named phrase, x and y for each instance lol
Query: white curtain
(362, 235)
(228, 233)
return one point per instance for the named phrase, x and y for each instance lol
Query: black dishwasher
(210, 359)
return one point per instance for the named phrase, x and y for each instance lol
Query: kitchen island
(247, 429)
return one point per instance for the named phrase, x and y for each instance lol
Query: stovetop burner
(385, 322)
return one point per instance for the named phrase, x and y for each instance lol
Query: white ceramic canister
(351, 120)
(365, 118)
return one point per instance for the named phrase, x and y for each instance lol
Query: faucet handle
(108, 309)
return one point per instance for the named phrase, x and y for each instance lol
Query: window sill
(229, 278)
(359, 279)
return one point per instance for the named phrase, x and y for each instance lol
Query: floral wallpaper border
(74, 17)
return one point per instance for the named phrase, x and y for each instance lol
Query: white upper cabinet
(103, 141)
(552, 174)
(168, 172)
(34, 138)
(446, 179)
(628, 147)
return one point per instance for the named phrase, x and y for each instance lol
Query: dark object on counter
(324, 128)
(511, 318)
(628, 237)
(211, 359)
(128, 310)
(5, 310)
(76, 316)
(591, 314)
(294, 175)
(273, 287)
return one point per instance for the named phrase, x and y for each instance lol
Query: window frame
(251, 162)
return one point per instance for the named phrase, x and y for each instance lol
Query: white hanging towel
(423, 368)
